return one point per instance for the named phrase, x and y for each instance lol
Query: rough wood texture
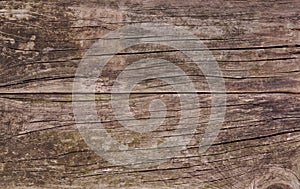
(256, 44)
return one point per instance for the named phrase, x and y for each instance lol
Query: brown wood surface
(257, 46)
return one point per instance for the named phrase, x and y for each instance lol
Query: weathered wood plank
(256, 50)
(255, 43)
(41, 144)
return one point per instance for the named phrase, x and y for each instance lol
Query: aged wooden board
(255, 43)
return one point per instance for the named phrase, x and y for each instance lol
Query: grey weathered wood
(255, 43)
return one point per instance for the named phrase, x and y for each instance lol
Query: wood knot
(276, 178)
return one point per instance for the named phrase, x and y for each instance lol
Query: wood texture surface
(257, 47)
